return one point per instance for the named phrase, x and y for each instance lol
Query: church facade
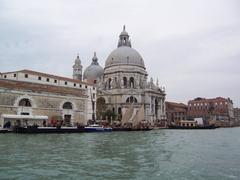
(123, 86)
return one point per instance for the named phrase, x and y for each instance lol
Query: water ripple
(158, 154)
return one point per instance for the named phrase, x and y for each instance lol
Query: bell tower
(77, 69)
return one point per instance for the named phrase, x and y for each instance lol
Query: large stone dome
(94, 71)
(124, 55)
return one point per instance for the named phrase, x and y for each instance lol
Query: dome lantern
(95, 59)
(124, 39)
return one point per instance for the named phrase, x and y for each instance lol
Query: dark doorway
(67, 119)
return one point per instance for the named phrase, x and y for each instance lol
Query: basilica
(123, 88)
(119, 93)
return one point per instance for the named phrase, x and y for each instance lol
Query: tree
(101, 107)
(109, 115)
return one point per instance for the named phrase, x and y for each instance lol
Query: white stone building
(124, 84)
(34, 95)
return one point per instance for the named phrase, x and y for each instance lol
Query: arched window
(109, 83)
(156, 108)
(125, 82)
(119, 113)
(25, 102)
(119, 110)
(131, 82)
(67, 105)
(131, 99)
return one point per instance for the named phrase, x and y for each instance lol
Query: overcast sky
(192, 47)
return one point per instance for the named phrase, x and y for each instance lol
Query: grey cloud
(191, 46)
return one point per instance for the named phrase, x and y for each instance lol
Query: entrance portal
(67, 119)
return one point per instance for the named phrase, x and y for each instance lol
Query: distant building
(32, 95)
(217, 109)
(176, 112)
(187, 123)
(237, 116)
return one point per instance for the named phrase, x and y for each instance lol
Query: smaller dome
(94, 71)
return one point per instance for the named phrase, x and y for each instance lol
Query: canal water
(157, 154)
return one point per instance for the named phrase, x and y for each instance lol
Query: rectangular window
(24, 113)
(15, 75)
(47, 79)
(65, 82)
(5, 76)
(55, 81)
(86, 87)
(93, 95)
(80, 85)
(39, 78)
(26, 75)
(74, 85)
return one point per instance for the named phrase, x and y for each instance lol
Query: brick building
(217, 109)
(237, 116)
(176, 112)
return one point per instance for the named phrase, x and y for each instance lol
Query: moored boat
(97, 128)
(191, 127)
(37, 129)
(5, 130)
(131, 129)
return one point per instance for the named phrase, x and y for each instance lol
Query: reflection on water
(159, 154)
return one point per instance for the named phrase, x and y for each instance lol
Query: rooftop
(40, 88)
(47, 75)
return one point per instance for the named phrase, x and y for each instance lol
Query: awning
(15, 116)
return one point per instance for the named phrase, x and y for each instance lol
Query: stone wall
(44, 104)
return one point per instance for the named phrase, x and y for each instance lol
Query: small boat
(121, 129)
(191, 127)
(97, 128)
(131, 129)
(37, 129)
(5, 130)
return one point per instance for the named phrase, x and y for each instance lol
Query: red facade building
(218, 109)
